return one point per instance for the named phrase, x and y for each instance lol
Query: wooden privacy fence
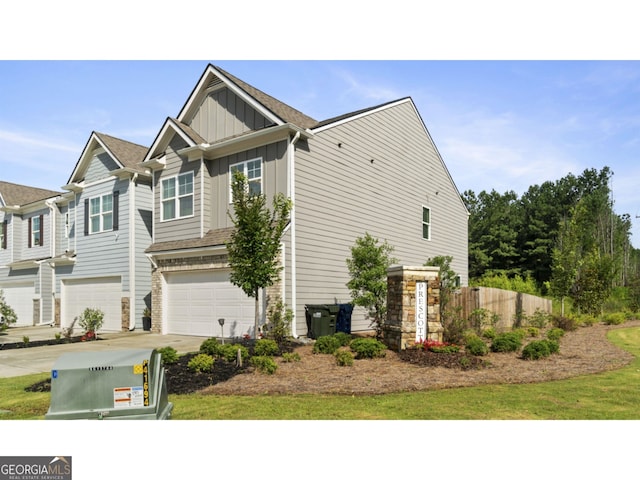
(507, 305)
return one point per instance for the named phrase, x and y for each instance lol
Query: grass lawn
(606, 396)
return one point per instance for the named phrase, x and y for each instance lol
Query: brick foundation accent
(399, 330)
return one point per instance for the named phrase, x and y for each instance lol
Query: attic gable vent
(214, 83)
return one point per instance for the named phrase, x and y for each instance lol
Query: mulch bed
(583, 351)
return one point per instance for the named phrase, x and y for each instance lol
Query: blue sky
(502, 125)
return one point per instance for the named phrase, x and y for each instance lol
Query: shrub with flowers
(436, 346)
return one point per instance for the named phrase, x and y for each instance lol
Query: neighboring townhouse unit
(104, 229)
(375, 170)
(27, 243)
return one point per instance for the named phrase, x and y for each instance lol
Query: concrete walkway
(24, 361)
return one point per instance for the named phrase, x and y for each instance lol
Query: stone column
(400, 328)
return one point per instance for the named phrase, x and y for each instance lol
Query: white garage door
(196, 300)
(101, 293)
(19, 296)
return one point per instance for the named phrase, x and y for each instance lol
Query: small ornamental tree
(255, 243)
(368, 271)
(7, 313)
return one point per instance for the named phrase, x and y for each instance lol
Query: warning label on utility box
(125, 397)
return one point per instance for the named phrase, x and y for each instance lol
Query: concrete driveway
(24, 361)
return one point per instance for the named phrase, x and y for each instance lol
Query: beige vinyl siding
(341, 194)
(223, 114)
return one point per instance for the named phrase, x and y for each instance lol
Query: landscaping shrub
(229, 351)
(210, 346)
(568, 324)
(91, 320)
(617, 318)
(279, 319)
(539, 319)
(555, 334)
(168, 355)
(535, 350)
(476, 347)
(586, 320)
(264, 364)
(291, 357)
(266, 348)
(533, 331)
(326, 344)
(7, 313)
(489, 333)
(520, 332)
(344, 358)
(554, 346)
(507, 342)
(201, 363)
(343, 338)
(368, 348)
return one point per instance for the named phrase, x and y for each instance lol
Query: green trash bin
(321, 319)
(117, 385)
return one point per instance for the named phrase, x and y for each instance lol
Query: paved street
(17, 362)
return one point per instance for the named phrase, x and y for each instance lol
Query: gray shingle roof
(14, 194)
(212, 238)
(127, 153)
(282, 110)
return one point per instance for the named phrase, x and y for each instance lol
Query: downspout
(132, 252)
(292, 196)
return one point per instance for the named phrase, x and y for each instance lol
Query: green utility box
(117, 385)
(321, 319)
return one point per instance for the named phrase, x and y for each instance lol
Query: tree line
(564, 235)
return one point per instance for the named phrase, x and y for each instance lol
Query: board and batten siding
(142, 228)
(372, 174)
(274, 179)
(223, 114)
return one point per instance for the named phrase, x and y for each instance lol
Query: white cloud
(17, 139)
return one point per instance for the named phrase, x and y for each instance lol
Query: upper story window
(3, 235)
(252, 169)
(177, 196)
(36, 231)
(101, 213)
(426, 223)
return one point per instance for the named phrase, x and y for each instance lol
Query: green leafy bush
(326, 344)
(7, 313)
(476, 347)
(343, 338)
(291, 357)
(539, 319)
(536, 350)
(368, 348)
(520, 332)
(489, 333)
(168, 355)
(507, 342)
(617, 318)
(344, 358)
(229, 351)
(264, 364)
(279, 319)
(554, 346)
(586, 320)
(266, 347)
(211, 346)
(533, 331)
(91, 319)
(555, 334)
(201, 363)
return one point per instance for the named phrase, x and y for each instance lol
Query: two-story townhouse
(27, 242)
(375, 170)
(104, 229)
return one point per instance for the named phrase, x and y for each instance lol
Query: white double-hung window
(252, 170)
(177, 196)
(101, 213)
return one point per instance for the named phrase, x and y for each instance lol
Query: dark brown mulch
(181, 380)
(41, 343)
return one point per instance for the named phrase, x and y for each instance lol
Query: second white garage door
(101, 293)
(196, 300)
(19, 296)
